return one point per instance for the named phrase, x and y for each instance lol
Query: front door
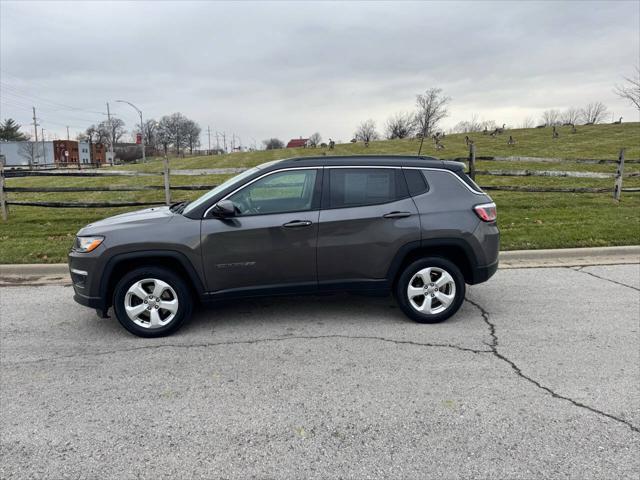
(367, 216)
(270, 244)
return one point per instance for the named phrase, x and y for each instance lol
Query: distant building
(84, 152)
(98, 153)
(92, 153)
(298, 143)
(66, 152)
(25, 154)
(58, 152)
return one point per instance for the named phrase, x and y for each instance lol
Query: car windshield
(211, 193)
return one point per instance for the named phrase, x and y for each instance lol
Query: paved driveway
(536, 377)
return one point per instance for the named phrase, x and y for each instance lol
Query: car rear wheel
(430, 290)
(152, 302)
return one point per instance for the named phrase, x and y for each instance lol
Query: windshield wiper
(178, 207)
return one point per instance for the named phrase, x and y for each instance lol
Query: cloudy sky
(287, 69)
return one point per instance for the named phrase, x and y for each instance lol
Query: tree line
(173, 132)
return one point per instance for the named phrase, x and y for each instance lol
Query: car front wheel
(152, 302)
(430, 290)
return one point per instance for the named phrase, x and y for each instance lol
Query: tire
(446, 290)
(152, 302)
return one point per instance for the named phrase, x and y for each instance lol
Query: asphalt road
(536, 377)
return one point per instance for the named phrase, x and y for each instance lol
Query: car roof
(362, 160)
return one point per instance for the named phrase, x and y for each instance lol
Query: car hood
(137, 218)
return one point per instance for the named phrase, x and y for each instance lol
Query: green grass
(527, 220)
(595, 142)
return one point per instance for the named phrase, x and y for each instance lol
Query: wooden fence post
(472, 161)
(617, 187)
(167, 187)
(3, 200)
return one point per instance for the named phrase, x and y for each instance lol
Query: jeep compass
(414, 226)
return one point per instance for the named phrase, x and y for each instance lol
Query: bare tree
(314, 140)
(273, 144)
(192, 131)
(431, 109)
(31, 152)
(631, 90)
(163, 134)
(96, 134)
(175, 131)
(468, 126)
(400, 125)
(593, 113)
(150, 133)
(111, 132)
(551, 118)
(527, 122)
(571, 116)
(366, 131)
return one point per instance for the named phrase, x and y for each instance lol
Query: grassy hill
(527, 220)
(592, 142)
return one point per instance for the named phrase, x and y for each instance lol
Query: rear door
(271, 241)
(366, 216)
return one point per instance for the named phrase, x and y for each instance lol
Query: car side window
(364, 186)
(280, 192)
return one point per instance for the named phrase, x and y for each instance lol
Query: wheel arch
(120, 264)
(454, 249)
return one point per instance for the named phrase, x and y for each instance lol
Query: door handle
(397, 215)
(297, 224)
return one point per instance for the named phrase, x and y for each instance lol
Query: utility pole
(112, 139)
(67, 133)
(224, 141)
(217, 144)
(209, 136)
(44, 153)
(35, 129)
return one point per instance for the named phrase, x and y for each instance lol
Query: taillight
(487, 212)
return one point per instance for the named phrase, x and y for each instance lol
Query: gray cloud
(288, 69)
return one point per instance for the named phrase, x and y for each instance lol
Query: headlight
(87, 244)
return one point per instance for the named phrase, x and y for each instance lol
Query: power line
(21, 92)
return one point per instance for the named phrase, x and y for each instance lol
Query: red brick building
(65, 152)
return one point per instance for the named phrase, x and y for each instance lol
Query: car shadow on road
(304, 310)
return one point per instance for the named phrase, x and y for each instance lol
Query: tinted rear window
(415, 181)
(365, 186)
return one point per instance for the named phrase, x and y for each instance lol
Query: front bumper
(86, 283)
(91, 302)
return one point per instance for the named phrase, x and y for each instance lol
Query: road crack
(252, 342)
(518, 371)
(581, 270)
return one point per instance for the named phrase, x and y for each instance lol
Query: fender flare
(410, 247)
(172, 254)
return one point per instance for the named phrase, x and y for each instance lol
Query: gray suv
(415, 226)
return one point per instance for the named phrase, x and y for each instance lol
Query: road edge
(56, 273)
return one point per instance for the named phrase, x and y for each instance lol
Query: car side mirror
(224, 208)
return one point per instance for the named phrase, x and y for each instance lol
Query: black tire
(408, 273)
(179, 286)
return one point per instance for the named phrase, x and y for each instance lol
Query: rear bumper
(484, 273)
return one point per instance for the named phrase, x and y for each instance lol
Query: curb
(561, 257)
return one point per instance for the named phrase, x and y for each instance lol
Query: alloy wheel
(151, 303)
(431, 290)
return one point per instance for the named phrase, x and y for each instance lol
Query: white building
(84, 152)
(24, 154)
